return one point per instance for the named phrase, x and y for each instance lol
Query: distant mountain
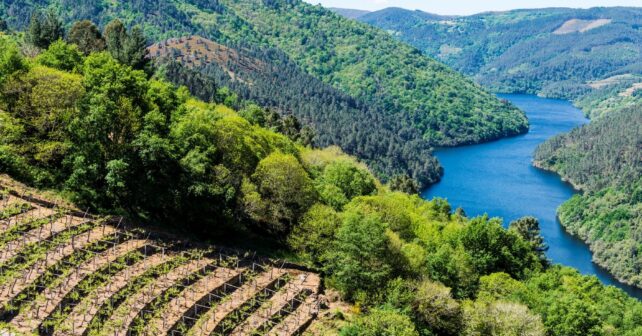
(349, 13)
(553, 52)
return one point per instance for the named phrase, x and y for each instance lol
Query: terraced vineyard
(65, 272)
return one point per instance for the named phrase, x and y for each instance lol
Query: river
(497, 179)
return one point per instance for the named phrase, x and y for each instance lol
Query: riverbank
(499, 179)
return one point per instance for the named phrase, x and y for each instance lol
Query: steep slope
(550, 51)
(604, 159)
(361, 61)
(269, 78)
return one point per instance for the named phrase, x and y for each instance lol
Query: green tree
(44, 29)
(528, 228)
(279, 193)
(128, 48)
(3, 25)
(569, 316)
(435, 308)
(254, 114)
(494, 249)
(136, 48)
(499, 318)
(381, 323)
(11, 61)
(62, 56)
(358, 261)
(404, 183)
(314, 235)
(115, 35)
(342, 180)
(86, 35)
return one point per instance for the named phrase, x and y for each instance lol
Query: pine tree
(44, 29)
(87, 37)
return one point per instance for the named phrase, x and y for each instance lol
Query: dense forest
(364, 62)
(604, 159)
(103, 128)
(388, 147)
(554, 52)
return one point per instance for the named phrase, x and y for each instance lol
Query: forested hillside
(361, 61)
(94, 122)
(554, 52)
(269, 78)
(604, 159)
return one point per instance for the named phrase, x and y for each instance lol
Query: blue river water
(498, 179)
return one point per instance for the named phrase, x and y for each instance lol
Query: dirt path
(190, 296)
(44, 232)
(47, 302)
(78, 320)
(279, 301)
(118, 324)
(9, 290)
(207, 324)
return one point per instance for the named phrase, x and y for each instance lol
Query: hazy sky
(463, 7)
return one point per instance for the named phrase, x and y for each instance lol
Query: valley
(271, 167)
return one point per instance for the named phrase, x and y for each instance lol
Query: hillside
(361, 61)
(269, 78)
(349, 13)
(604, 159)
(84, 122)
(109, 278)
(554, 52)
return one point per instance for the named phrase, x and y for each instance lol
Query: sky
(466, 7)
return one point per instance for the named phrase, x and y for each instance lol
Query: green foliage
(11, 61)
(501, 319)
(404, 183)
(87, 37)
(495, 249)
(44, 29)
(313, 236)
(436, 309)
(525, 50)
(285, 89)
(528, 228)
(341, 181)
(127, 47)
(602, 158)
(359, 261)
(381, 323)
(279, 193)
(62, 56)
